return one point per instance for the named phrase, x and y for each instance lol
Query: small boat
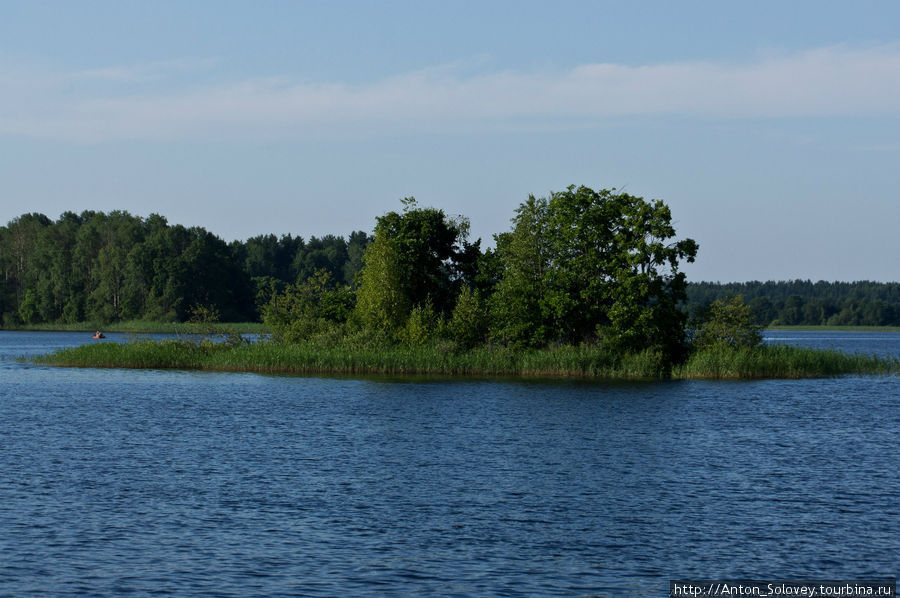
(99, 335)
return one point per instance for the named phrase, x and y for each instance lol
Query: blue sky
(772, 129)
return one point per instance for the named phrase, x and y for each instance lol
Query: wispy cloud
(107, 103)
(141, 72)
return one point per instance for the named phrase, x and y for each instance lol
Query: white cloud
(142, 72)
(101, 104)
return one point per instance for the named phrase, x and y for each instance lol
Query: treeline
(580, 266)
(103, 267)
(806, 303)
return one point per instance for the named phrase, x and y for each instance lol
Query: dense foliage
(580, 268)
(729, 322)
(583, 265)
(109, 267)
(418, 260)
(802, 302)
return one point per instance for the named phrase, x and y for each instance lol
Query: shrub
(729, 322)
(468, 323)
(309, 308)
(420, 325)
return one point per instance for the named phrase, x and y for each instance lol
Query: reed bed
(781, 361)
(587, 361)
(310, 358)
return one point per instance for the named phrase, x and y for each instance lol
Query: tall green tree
(521, 264)
(356, 247)
(468, 323)
(268, 255)
(118, 233)
(18, 241)
(584, 265)
(328, 253)
(382, 303)
(413, 261)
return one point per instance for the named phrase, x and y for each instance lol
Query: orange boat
(99, 335)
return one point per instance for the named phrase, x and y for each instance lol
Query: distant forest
(806, 303)
(104, 267)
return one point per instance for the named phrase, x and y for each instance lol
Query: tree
(18, 241)
(792, 312)
(730, 322)
(616, 269)
(267, 255)
(763, 310)
(328, 253)
(468, 324)
(211, 278)
(413, 260)
(382, 303)
(309, 307)
(522, 259)
(586, 265)
(28, 310)
(356, 247)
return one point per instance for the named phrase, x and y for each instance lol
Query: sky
(771, 129)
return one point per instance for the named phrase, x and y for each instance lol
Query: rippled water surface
(117, 482)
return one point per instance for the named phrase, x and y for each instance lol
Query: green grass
(776, 361)
(781, 361)
(149, 326)
(312, 358)
(837, 328)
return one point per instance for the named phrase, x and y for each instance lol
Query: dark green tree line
(803, 302)
(589, 266)
(108, 267)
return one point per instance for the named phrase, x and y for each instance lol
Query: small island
(585, 284)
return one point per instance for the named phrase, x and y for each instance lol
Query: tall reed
(438, 357)
(780, 361)
(441, 357)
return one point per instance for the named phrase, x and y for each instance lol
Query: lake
(118, 482)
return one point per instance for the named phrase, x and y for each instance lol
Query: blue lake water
(885, 344)
(116, 482)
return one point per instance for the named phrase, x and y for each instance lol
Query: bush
(468, 323)
(11, 320)
(420, 325)
(309, 308)
(729, 322)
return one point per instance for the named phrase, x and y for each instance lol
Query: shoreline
(148, 327)
(144, 326)
(564, 362)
